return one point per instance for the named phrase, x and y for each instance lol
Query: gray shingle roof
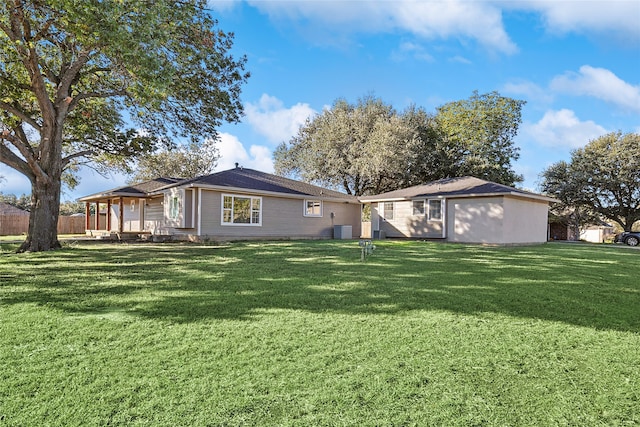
(466, 186)
(254, 180)
(135, 190)
(7, 209)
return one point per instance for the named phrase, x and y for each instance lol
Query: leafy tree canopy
(602, 178)
(369, 147)
(181, 161)
(479, 134)
(74, 73)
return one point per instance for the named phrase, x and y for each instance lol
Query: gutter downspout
(199, 219)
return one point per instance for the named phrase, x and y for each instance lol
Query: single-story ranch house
(242, 203)
(234, 204)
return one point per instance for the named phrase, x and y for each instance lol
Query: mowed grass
(305, 334)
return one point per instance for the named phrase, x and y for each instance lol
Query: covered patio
(126, 211)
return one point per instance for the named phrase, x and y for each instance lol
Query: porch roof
(140, 190)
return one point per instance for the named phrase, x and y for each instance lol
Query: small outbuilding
(464, 209)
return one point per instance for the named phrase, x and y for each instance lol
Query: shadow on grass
(580, 285)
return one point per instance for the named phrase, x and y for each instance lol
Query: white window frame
(413, 208)
(429, 209)
(252, 211)
(384, 210)
(305, 208)
(174, 207)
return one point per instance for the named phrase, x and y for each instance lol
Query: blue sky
(575, 63)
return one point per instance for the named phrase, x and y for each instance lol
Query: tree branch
(20, 114)
(12, 160)
(81, 96)
(71, 157)
(30, 160)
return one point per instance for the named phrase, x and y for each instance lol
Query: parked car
(631, 238)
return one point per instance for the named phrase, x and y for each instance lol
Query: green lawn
(304, 333)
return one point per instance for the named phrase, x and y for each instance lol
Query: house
(235, 204)
(7, 209)
(462, 209)
(241, 203)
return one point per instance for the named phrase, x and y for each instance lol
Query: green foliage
(370, 148)
(21, 202)
(479, 134)
(303, 333)
(558, 182)
(355, 147)
(602, 178)
(72, 71)
(178, 161)
(24, 202)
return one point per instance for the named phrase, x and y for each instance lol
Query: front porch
(117, 218)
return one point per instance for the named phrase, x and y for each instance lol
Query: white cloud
(270, 118)
(411, 50)
(331, 21)
(475, 20)
(232, 151)
(599, 83)
(222, 5)
(607, 18)
(562, 129)
(480, 21)
(530, 90)
(460, 60)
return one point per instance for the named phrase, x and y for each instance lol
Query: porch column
(109, 215)
(97, 221)
(87, 216)
(121, 212)
(142, 203)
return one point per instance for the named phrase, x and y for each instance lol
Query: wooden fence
(12, 225)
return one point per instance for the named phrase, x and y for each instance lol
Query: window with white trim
(313, 208)
(388, 210)
(435, 210)
(418, 207)
(174, 207)
(241, 210)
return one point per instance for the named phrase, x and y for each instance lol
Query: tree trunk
(43, 221)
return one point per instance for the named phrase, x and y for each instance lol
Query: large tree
(558, 181)
(368, 147)
(177, 161)
(74, 74)
(479, 136)
(354, 147)
(603, 178)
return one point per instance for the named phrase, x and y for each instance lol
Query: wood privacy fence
(11, 225)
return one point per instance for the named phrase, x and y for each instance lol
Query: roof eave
(461, 196)
(224, 188)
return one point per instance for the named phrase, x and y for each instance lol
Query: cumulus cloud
(462, 19)
(599, 83)
(222, 5)
(562, 129)
(232, 151)
(480, 21)
(617, 18)
(270, 118)
(529, 90)
(411, 50)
